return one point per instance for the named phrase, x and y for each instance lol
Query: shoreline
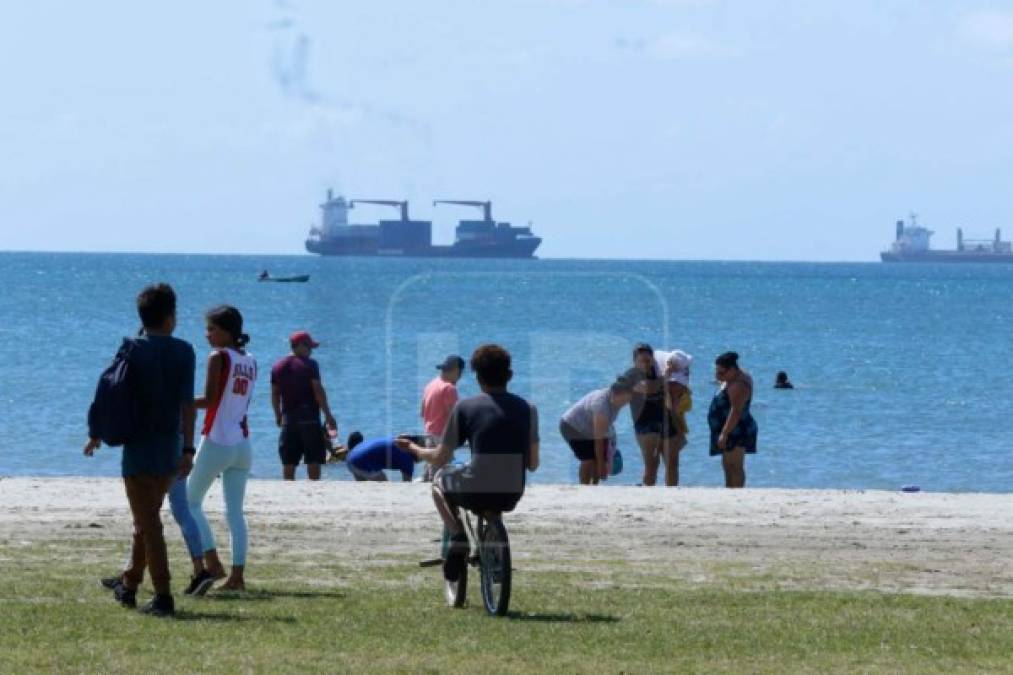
(958, 544)
(393, 477)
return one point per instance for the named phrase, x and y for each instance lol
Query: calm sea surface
(903, 372)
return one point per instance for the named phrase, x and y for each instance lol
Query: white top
(680, 362)
(225, 419)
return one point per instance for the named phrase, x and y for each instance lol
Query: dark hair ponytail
(229, 320)
(728, 360)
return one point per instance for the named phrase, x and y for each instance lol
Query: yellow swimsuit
(685, 405)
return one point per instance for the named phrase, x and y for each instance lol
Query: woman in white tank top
(225, 445)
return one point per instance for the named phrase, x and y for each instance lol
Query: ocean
(902, 372)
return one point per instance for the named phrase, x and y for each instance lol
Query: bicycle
(490, 553)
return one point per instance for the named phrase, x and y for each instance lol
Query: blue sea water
(903, 372)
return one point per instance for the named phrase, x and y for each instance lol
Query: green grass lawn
(320, 615)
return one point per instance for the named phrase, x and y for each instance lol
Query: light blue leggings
(233, 462)
(181, 513)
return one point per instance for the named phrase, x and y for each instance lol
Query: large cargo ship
(912, 245)
(484, 238)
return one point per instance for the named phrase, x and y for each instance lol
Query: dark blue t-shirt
(164, 370)
(377, 454)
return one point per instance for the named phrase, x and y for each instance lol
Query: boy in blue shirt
(367, 459)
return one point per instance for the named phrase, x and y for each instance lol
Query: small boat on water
(298, 278)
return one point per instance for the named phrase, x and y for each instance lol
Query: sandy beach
(926, 543)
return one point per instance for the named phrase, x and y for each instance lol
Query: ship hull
(518, 249)
(945, 257)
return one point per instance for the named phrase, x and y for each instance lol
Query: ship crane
(403, 205)
(485, 206)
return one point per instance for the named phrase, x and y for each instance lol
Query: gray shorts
(454, 484)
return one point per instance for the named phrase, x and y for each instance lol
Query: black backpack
(115, 413)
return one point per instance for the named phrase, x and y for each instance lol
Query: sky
(664, 129)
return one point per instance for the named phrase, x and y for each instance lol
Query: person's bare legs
(313, 471)
(733, 461)
(670, 448)
(213, 563)
(288, 471)
(650, 450)
(588, 472)
(449, 514)
(235, 582)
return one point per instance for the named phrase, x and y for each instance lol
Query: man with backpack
(145, 402)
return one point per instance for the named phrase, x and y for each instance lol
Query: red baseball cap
(302, 337)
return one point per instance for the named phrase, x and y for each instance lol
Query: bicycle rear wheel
(495, 566)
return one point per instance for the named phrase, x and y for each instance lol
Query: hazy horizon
(644, 129)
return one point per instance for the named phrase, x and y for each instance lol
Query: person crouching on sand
(733, 429)
(367, 459)
(587, 428)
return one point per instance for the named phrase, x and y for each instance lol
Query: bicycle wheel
(494, 561)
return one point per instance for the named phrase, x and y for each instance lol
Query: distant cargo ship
(406, 237)
(912, 245)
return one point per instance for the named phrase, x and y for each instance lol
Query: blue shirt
(164, 370)
(377, 454)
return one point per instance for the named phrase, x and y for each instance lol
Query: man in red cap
(297, 398)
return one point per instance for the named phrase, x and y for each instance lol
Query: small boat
(298, 278)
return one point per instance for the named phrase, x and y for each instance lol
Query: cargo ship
(405, 237)
(912, 245)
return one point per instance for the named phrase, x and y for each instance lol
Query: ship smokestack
(960, 239)
(900, 229)
(330, 194)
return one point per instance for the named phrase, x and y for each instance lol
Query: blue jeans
(184, 518)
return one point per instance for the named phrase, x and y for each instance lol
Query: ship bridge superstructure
(911, 237)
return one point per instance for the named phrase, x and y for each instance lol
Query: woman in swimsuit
(733, 429)
(651, 421)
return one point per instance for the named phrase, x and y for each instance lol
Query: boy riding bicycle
(502, 430)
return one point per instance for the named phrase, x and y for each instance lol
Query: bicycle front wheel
(494, 561)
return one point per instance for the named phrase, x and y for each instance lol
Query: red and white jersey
(225, 419)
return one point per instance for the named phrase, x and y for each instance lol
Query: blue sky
(685, 129)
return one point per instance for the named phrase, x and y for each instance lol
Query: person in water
(675, 367)
(733, 429)
(782, 381)
(652, 421)
(587, 428)
(225, 444)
